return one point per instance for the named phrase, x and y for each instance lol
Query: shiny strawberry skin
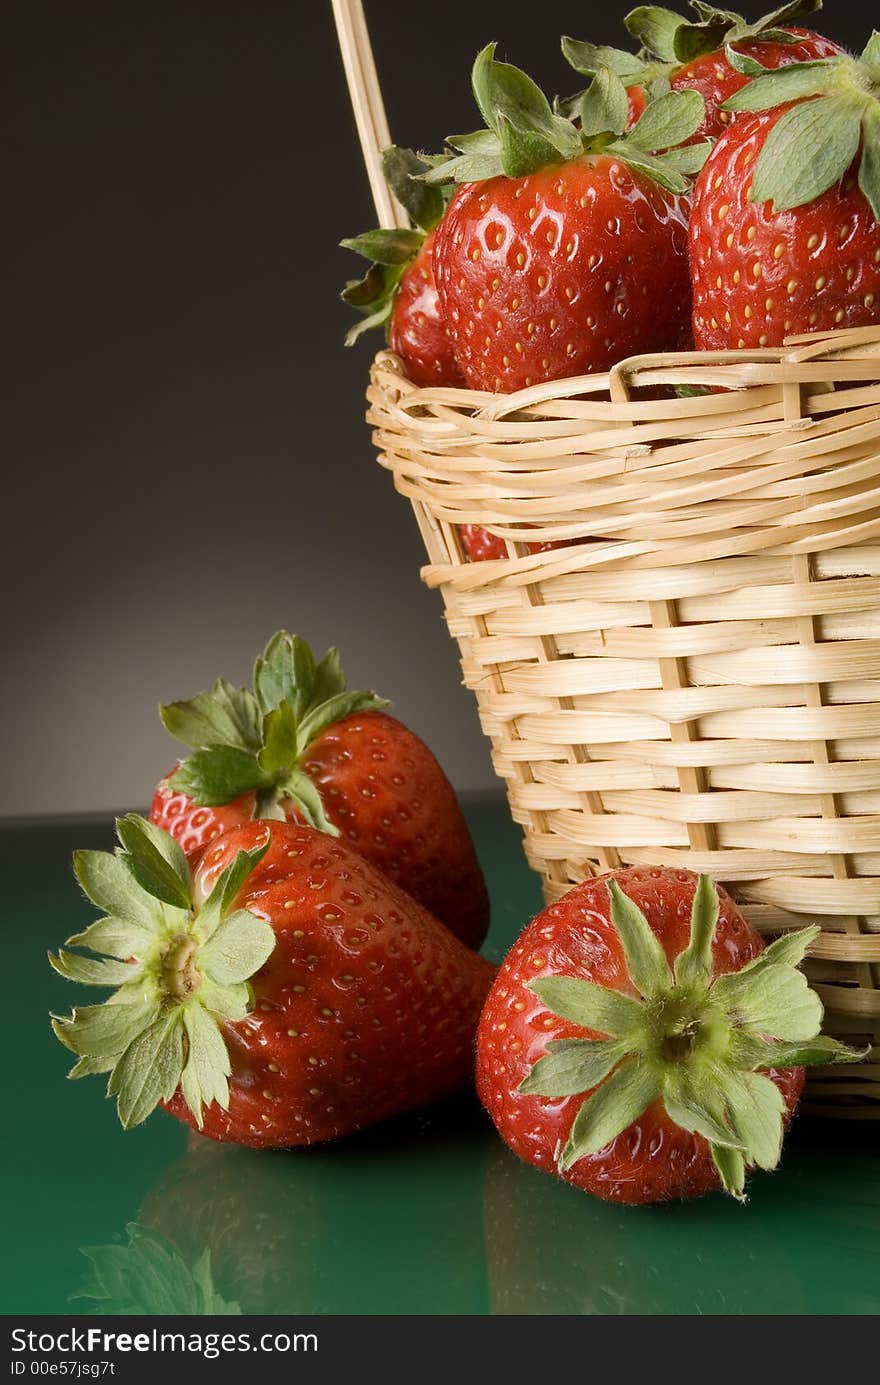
(417, 332)
(193, 825)
(366, 1007)
(653, 1159)
(715, 80)
(555, 274)
(760, 275)
(388, 796)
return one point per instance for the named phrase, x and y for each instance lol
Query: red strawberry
(302, 747)
(785, 234)
(716, 53)
(480, 545)
(548, 258)
(417, 332)
(713, 76)
(398, 291)
(285, 995)
(672, 1103)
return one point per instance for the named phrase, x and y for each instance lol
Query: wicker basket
(696, 681)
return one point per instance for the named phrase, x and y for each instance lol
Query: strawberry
(785, 234)
(548, 257)
(303, 747)
(398, 291)
(285, 994)
(716, 54)
(705, 1034)
(480, 545)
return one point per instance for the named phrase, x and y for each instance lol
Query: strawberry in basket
(713, 53)
(547, 259)
(285, 994)
(785, 234)
(398, 291)
(640, 1041)
(302, 746)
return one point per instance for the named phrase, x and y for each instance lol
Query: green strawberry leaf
(661, 168)
(237, 948)
(280, 739)
(789, 950)
(285, 672)
(587, 58)
(612, 1108)
(742, 63)
(90, 971)
(871, 52)
(228, 886)
(403, 170)
(94, 1031)
(342, 704)
(205, 1074)
(305, 794)
(669, 121)
(108, 882)
(783, 85)
(646, 961)
(589, 1005)
(115, 938)
(222, 716)
(572, 1066)
(808, 150)
(149, 1070)
(697, 1109)
(752, 1051)
(329, 678)
(655, 28)
(731, 1169)
(508, 98)
(694, 41)
(605, 105)
(218, 774)
(755, 1110)
(156, 861)
(688, 160)
(694, 965)
(395, 246)
(775, 1001)
(869, 169)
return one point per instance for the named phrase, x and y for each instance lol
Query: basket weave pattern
(696, 681)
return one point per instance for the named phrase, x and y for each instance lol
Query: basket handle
(367, 104)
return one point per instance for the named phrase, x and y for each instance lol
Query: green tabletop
(425, 1214)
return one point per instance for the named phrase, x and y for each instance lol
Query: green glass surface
(425, 1214)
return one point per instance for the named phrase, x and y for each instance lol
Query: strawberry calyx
(836, 119)
(179, 971)
(524, 134)
(634, 69)
(254, 741)
(678, 41)
(148, 1275)
(699, 1044)
(392, 250)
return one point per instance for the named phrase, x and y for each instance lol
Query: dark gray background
(186, 464)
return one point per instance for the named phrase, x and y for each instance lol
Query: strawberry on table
(286, 994)
(549, 256)
(639, 1040)
(714, 53)
(398, 291)
(302, 746)
(785, 233)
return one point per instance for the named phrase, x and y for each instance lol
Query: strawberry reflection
(807, 1242)
(384, 1222)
